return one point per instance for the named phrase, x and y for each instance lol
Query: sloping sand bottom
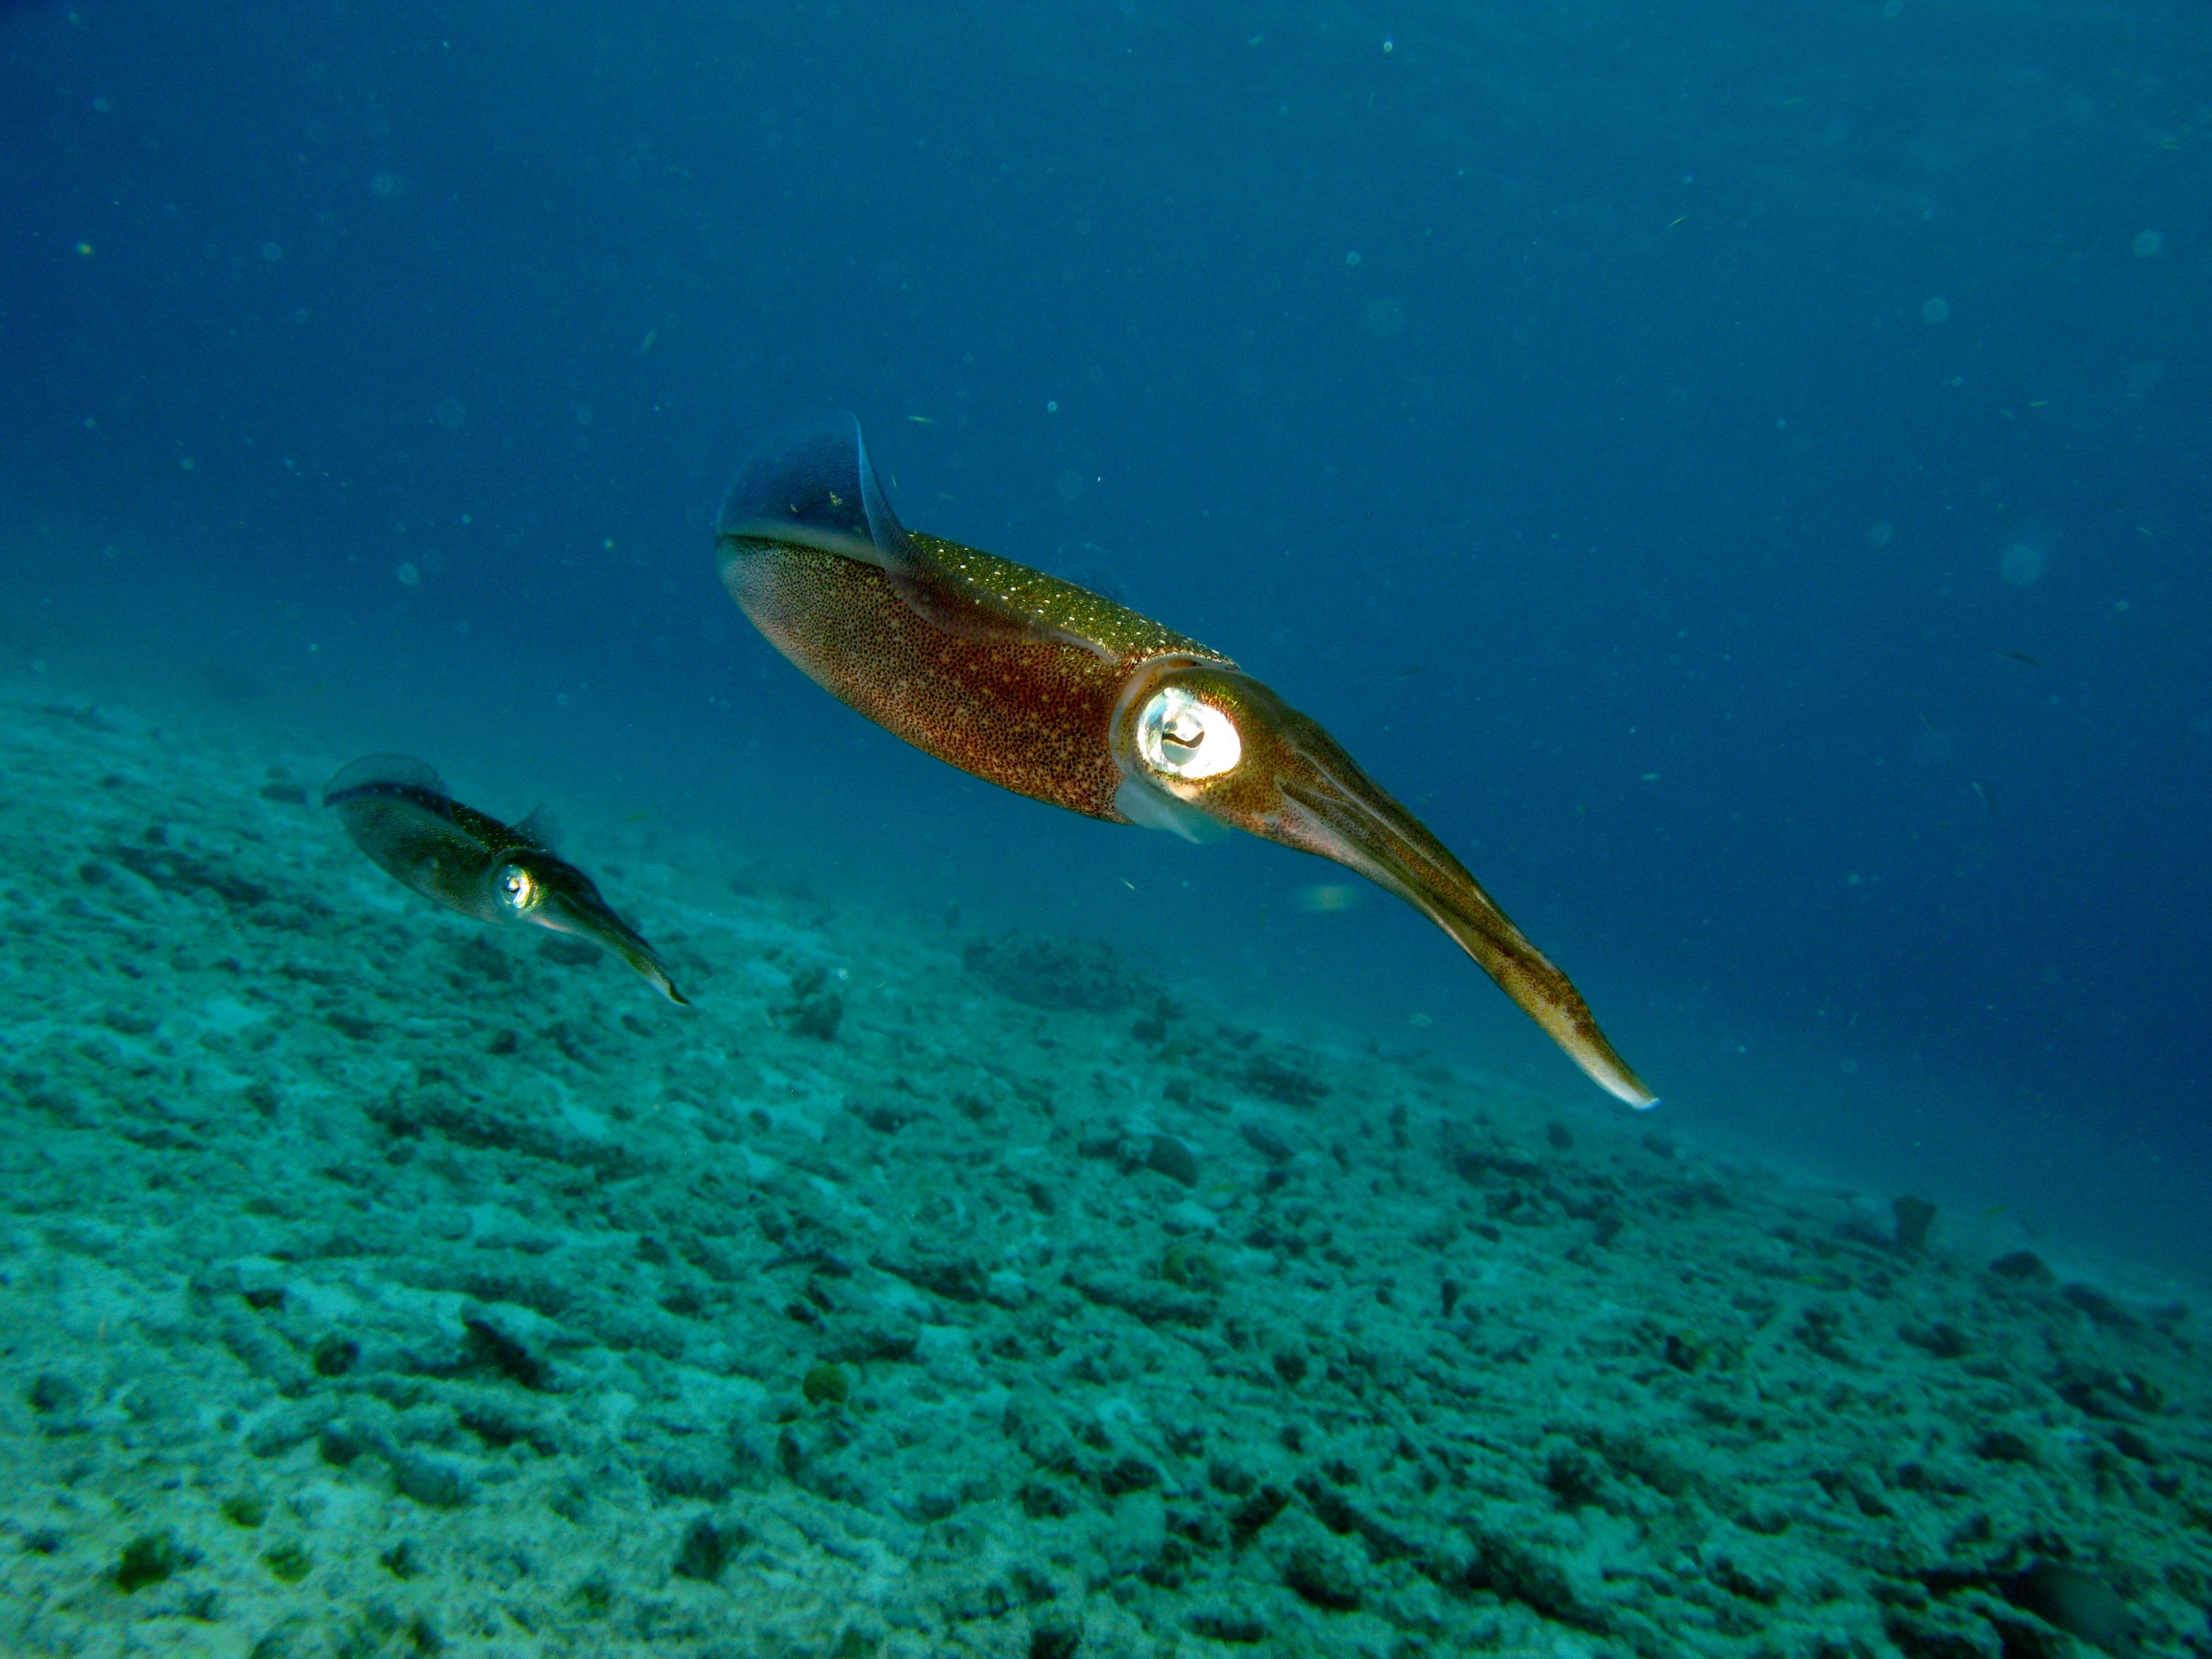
(372, 1283)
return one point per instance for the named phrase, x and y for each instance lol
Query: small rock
(49, 1391)
(1230, 1625)
(1265, 1141)
(705, 1551)
(290, 1561)
(1127, 1475)
(431, 1482)
(886, 1337)
(1188, 1267)
(1266, 1075)
(956, 1278)
(334, 1356)
(492, 1347)
(1325, 1576)
(2003, 1446)
(2023, 1267)
(1151, 1300)
(2100, 1308)
(818, 1017)
(1251, 1517)
(2075, 1603)
(148, 1558)
(1166, 1156)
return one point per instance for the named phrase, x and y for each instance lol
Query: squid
(1062, 695)
(397, 811)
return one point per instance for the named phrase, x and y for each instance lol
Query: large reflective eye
(518, 889)
(1181, 737)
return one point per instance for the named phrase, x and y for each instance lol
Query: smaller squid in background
(398, 813)
(1061, 694)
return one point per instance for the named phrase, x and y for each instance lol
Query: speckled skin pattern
(1031, 710)
(428, 841)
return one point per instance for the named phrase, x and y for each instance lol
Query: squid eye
(519, 891)
(1182, 730)
(1181, 737)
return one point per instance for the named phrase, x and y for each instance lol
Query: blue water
(1740, 472)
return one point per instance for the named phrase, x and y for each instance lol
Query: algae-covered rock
(290, 1561)
(149, 1558)
(1190, 1267)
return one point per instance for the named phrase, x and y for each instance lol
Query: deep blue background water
(1655, 440)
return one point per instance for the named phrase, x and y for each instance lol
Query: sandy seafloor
(373, 1283)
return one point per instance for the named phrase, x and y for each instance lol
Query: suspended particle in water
(451, 413)
(2021, 563)
(2149, 244)
(1934, 310)
(1881, 533)
(408, 575)
(1384, 318)
(2025, 557)
(272, 251)
(384, 184)
(1069, 484)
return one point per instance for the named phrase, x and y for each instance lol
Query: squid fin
(403, 771)
(541, 829)
(819, 490)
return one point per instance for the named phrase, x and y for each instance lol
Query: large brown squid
(1054, 691)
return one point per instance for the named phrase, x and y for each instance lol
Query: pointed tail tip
(1623, 1084)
